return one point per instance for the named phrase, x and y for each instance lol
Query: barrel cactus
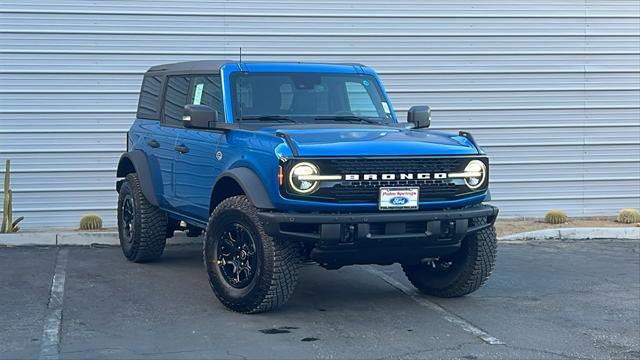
(555, 217)
(629, 216)
(91, 222)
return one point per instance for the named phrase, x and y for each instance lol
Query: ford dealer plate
(398, 198)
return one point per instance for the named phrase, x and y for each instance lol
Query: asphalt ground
(549, 299)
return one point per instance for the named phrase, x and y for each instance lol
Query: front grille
(356, 191)
(362, 191)
(389, 166)
(367, 191)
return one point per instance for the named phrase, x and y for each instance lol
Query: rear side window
(207, 91)
(175, 100)
(148, 105)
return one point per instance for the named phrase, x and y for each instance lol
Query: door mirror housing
(199, 117)
(419, 116)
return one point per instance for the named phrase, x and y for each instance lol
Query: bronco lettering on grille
(401, 176)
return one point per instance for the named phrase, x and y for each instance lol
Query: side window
(175, 100)
(208, 91)
(148, 105)
(360, 102)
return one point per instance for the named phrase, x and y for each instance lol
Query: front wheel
(249, 271)
(460, 273)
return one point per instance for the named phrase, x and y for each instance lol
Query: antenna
(241, 84)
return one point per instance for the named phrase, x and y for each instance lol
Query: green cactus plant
(91, 222)
(555, 217)
(8, 224)
(629, 216)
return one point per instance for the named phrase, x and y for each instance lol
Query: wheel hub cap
(128, 212)
(237, 255)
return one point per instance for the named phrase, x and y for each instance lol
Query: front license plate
(399, 198)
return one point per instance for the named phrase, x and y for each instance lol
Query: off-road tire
(475, 262)
(278, 261)
(149, 226)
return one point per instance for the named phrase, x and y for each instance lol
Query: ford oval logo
(399, 200)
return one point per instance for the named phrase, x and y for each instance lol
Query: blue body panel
(184, 182)
(160, 159)
(195, 171)
(374, 141)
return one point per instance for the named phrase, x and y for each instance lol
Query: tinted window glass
(175, 100)
(207, 91)
(359, 100)
(149, 95)
(308, 97)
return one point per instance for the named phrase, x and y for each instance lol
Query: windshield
(308, 97)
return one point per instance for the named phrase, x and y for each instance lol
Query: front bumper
(380, 237)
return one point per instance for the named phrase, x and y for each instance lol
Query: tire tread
(152, 237)
(479, 265)
(281, 263)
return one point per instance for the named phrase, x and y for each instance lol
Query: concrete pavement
(548, 299)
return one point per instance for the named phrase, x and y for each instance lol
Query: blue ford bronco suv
(285, 163)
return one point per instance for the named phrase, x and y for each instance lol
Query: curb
(80, 238)
(616, 233)
(87, 238)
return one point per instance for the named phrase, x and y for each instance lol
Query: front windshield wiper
(267, 118)
(348, 118)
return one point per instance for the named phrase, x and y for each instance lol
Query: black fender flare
(251, 185)
(137, 161)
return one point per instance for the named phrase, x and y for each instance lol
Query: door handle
(153, 143)
(182, 149)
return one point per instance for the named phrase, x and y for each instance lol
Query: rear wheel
(142, 227)
(249, 271)
(461, 273)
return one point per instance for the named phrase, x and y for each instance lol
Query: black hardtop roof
(215, 65)
(187, 66)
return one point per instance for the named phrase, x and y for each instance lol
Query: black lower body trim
(383, 237)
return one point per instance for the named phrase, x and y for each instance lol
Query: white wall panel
(551, 89)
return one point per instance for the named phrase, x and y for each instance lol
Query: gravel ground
(546, 300)
(508, 227)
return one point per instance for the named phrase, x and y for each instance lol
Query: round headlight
(297, 181)
(480, 174)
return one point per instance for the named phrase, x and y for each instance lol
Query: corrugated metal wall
(550, 88)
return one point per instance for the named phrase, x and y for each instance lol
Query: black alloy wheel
(249, 271)
(142, 226)
(127, 212)
(237, 257)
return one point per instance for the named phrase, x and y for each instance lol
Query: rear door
(147, 135)
(176, 95)
(196, 165)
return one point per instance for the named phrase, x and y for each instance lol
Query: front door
(197, 165)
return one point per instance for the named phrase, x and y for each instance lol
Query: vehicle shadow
(318, 289)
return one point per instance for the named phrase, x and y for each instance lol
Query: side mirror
(199, 117)
(419, 116)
